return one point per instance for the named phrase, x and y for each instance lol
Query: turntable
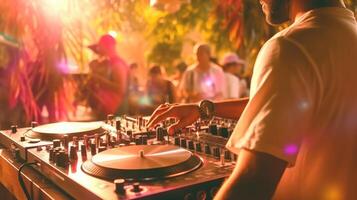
(142, 162)
(58, 130)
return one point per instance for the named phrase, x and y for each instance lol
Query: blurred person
(296, 136)
(108, 79)
(180, 69)
(135, 92)
(159, 89)
(202, 80)
(235, 87)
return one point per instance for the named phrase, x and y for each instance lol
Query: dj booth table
(38, 186)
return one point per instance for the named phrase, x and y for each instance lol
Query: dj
(297, 135)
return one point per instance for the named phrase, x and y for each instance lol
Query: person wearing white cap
(235, 87)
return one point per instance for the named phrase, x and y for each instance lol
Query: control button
(198, 147)
(136, 187)
(65, 141)
(39, 148)
(34, 140)
(177, 141)
(191, 145)
(110, 117)
(22, 138)
(189, 196)
(223, 132)
(201, 195)
(132, 144)
(213, 191)
(119, 186)
(216, 152)
(73, 152)
(213, 129)
(50, 157)
(102, 148)
(34, 124)
(93, 149)
(183, 143)
(207, 149)
(83, 151)
(14, 129)
(121, 145)
(227, 155)
(56, 143)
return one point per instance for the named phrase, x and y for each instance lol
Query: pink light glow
(291, 149)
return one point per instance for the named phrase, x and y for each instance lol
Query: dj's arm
(255, 176)
(230, 108)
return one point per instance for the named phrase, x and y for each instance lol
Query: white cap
(232, 58)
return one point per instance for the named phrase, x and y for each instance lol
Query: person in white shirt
(297, 134)
(235, 87)
(202, 80)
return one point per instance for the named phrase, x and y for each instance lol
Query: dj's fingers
(162, 108)
(182, 123)
(160, 117)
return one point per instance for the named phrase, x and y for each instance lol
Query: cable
(21, 181)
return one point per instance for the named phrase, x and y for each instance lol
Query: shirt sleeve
(278, 115)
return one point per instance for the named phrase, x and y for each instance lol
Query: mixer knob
(96, 140)
(65, 141)
(34, 124)
(235, 157)
(223, 131)
(102, 148)
(110, 117)
(39, 148)
(56, 143)
(216, 152)
(138, 141)
(191, 145)
(121, 145)
(93, 149)
(177, 141)
(136, 187)
(14, 129)
(132, 144)
(160, 134)
(22, 138)
(183, 143)
(86, 141)
(75, 141)
(73, 152)
(130, 134)
(207, 149)
(227, 155)
(83, 151)
(119, 186)
(62, 159)
(144, 139)
(51, 154)
(198, 147)
(118, 125)
(213, 129)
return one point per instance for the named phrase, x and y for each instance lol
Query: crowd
(115, 87)
(46, 94)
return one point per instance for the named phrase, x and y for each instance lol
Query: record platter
(142, 162)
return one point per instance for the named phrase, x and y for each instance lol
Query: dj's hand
(186, 114)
